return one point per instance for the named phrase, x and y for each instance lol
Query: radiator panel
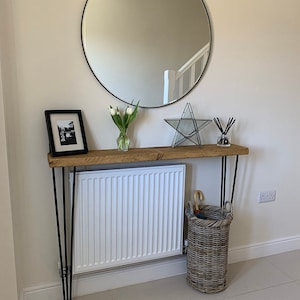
(126, 216)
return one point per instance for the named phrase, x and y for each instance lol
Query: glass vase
(123, 141)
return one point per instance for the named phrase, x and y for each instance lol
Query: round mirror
(153, 51)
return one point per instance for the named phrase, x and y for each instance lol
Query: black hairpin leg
(58, 235)
(72, 230)
(234, 178)
(65, 270)
(65, 241)
(223, 180)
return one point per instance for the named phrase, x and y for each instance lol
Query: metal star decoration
(187, 127)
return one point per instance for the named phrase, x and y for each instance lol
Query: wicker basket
(208, 249)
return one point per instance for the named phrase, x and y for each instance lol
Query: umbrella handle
(198, 195)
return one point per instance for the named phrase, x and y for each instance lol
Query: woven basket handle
(228, 207)
(198, 197)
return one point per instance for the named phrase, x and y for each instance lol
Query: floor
(274, 277)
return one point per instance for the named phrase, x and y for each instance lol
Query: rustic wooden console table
(107, 157)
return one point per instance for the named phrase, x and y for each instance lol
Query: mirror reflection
(148, 51)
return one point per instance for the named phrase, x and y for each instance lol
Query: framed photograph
(66, 132)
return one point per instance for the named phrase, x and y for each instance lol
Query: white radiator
(126, 216)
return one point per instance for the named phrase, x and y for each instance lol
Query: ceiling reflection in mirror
(153, 51)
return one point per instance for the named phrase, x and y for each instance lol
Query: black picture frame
(66, 132)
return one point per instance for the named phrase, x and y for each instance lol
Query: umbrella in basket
(198, 196)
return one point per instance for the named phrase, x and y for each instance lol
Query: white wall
(253, 75)
(8, 280)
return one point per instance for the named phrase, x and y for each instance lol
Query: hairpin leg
(59, 236)
(234, 178)
(65, 241)
(72, 230)
(223, 180)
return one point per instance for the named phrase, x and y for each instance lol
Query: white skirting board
(93, 283)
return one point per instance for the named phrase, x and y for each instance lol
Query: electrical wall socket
(266, 196)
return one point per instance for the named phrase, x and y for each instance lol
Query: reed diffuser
(223, 140)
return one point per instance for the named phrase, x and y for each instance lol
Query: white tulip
(112, 111)
(129, 111)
